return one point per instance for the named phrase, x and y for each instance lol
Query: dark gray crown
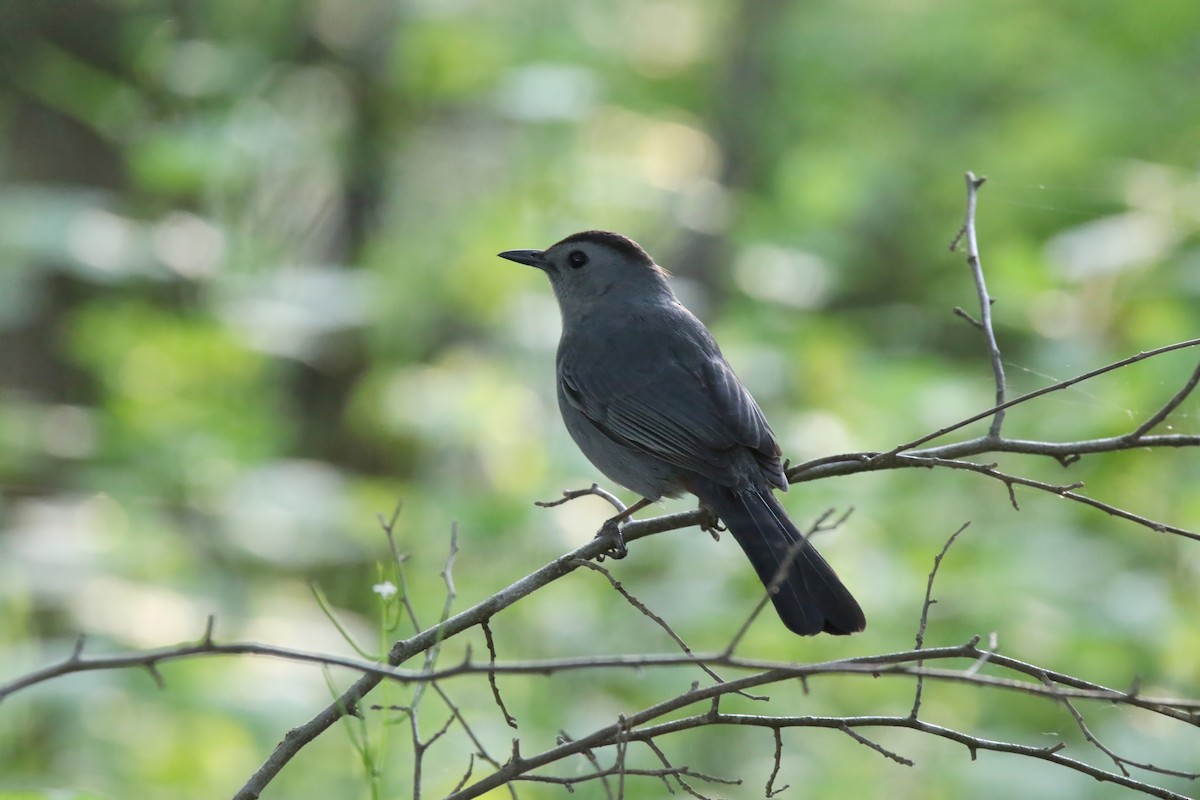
(622, 244)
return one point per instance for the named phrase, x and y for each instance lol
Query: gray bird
(646, 394)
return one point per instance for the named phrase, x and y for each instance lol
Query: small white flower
(387, 590)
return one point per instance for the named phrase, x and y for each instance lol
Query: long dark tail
(810, 598)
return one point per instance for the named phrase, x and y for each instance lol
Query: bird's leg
(611, 529)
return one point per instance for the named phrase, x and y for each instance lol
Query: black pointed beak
(533, 258)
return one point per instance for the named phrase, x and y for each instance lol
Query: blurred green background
(249, 301)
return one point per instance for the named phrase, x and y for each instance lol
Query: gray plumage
(647, 396)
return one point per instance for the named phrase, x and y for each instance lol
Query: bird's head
(593, 267)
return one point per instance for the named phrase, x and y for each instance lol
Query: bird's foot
(615, 549)
(712, 526)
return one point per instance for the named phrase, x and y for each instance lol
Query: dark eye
(577, 258)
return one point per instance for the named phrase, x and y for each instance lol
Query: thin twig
(680, 772)
(491, 646)
(924, 459)
(1120, 761)
(986, 655)
(929, 601)
(1058, 386)
(1167, 408)
(621, 745)
(770, 790)
(781, 572)
(480, 750)
(644, 609)
(435, 650)
(573, 494)
(674, 772)
(878, 748)
(590, 755)
(389, 530)
(985, 301)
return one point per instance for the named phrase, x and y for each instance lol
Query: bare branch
(986, 655)
(684, 771)
(435, 649)
(985, 301)
(929, 601)
(1120, 761)
(924, 621)
(885, 664)
(1067, 491)
(878, 748)
(771, 791)
(466, 775)
(405, 649)
(636, 726)
(961, 312)
(1172, 404)
(1054, 387)
(573, 494)
(1044, 683)
(590, 755)
(974, 744)
(644, 609)
(389, 530)
(480, 750)
(947, 456)
(491, 646)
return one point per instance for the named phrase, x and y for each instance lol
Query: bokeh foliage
(248, 301)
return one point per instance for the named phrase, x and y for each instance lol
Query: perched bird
(647, 396)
